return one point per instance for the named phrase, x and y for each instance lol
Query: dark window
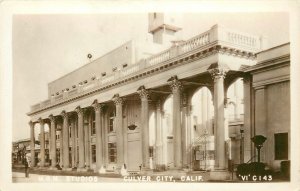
(93, 153)
(103, 74)
(281, 146)
(125, 65)
(112, 152)
(114, 69)
(93, 128)
(111, 122)
(154, 15)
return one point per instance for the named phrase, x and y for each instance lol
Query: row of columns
(179, 129)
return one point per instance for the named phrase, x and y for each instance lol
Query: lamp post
(258, 141)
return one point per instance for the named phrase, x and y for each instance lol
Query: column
(60, 146)
(176, 86)
(32, 144)
(218, 75)
(73, 137)
(65, 130)
(99, 158)
(247, 119)
(184, 130)
(104, 137)
(53, 141)
(86, 141)
(119, 130)
(42, 143)
(80, 138)
(144, 95)
(76, 142)
(158, 134)
(189, 136)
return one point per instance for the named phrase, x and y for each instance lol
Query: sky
(46, 47)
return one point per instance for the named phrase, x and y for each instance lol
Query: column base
(102, 170)
(123, 171)
(219, 175)
(67, 169)
(42, 167)
(146, 171)
(53, 168)
(82, 170)
(160, 167)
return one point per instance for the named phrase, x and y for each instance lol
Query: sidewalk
(19, 177)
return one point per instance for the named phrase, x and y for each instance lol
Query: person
(26, 168)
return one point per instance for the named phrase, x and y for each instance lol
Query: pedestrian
(26, 168)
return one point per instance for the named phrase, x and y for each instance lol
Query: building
(170, 110)
(21, 149)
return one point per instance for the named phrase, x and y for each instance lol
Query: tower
(164, 27)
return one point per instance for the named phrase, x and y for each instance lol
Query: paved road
(35, 178)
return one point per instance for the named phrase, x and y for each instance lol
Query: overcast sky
(46, 47)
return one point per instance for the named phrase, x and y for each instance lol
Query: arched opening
(202, 132)
(234, 121)
(167, 132)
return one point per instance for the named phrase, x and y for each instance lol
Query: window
(154, 15)
(111, 122)
(93, 153)
(281, 146)
(125, 65)
(103, 74)
(112, 152)
(114, 69)
(93, 128)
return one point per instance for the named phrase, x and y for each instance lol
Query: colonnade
(75, 120)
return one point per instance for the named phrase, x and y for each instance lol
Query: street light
(258, 141)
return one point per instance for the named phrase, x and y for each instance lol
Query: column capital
(247, 79)
(143, 93)
(52, 118)
(31, 123)
(175, 84)
(64, 114)
(118, 100)
(79, 111)
(97, 106)
(217, 73)
(41, 121)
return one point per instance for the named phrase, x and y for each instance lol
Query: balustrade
(216, 34)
